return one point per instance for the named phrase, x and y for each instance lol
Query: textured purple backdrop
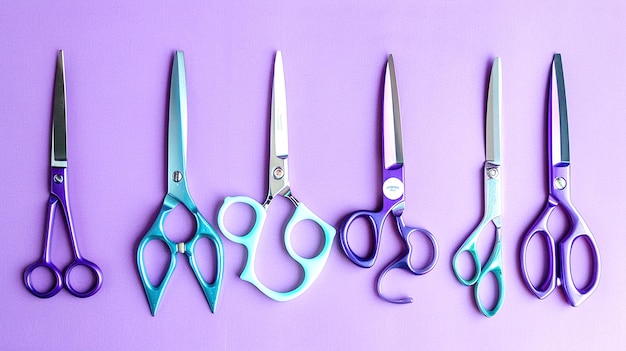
(118, 58)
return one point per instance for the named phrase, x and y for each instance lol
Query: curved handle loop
(250, 239)
(156, 232)
(405, 233)
(376, 221)
(493, 266)
(469, 246)
(58, 279)
(540, 227)
(97, 277)
(574, 295)
(403, 261)
(211, 289)
(311, 266)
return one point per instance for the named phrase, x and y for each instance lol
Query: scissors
(393, 196)
(278, 185)
(559, 261)
(492, 178)
(178, 193)
(59, 195)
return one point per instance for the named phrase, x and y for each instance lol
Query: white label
(393, 188)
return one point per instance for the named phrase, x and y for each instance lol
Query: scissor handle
(540, 227)
(154, 293)
(311, 266)
(470, 246)
(376, 221)
(58, 279)
(403, 261)
(492, 266)
(578, 230)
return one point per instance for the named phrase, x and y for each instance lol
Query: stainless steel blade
(177, 129)
(58, 151)
(393, 156)
(494, 112)
(558, 115)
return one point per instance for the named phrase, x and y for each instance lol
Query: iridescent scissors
(278, 185)
(559, 261)
(393, 196)
(178, 193)
(492, 178)
(59, 195)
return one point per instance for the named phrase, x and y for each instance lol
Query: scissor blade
(279, 111)
(393, 156)
(559, 132)
(494, 111)
(177, 130)
(58, 152)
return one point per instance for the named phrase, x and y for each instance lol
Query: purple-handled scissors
(59, 196)
(393, 196)
(560, 259)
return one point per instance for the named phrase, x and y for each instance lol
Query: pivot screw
(58, 178)
(177, 176)
(492, 173)
(278, 173)
(560, 183)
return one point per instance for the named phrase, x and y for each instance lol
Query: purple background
(118, 61)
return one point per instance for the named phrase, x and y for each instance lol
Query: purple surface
(118, 58)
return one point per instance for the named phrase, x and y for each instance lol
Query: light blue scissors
(278, 185)
(178, 193)
(492, 176)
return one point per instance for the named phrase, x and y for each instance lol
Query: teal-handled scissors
(278, 185)
(493, 201)
(178, 193)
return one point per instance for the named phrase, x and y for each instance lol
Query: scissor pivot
(492, 173)
(177, 176)
(560, 183)
(278, 173)
(58, 178)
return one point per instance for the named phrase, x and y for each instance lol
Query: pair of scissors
(393, 196)
(492, 180)
(59, 196)
(559, 184)
(278, 185)
(178, 193)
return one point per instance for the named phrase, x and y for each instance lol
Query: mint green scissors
(178, 193)
(278, 185)
(492, 178)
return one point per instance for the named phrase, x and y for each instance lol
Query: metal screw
(278, 173)
(58, 178)
(177, 176)
(492, 173)
(560, 183)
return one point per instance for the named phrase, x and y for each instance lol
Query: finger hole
(308, 239)
(204, 253)
(156, 260)
(239, 219)
(538, 251)
(43, 280)
(423, 251)
(361, 237)
(582, 263)
(82, 279)
(488, 293)
(465, 267)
